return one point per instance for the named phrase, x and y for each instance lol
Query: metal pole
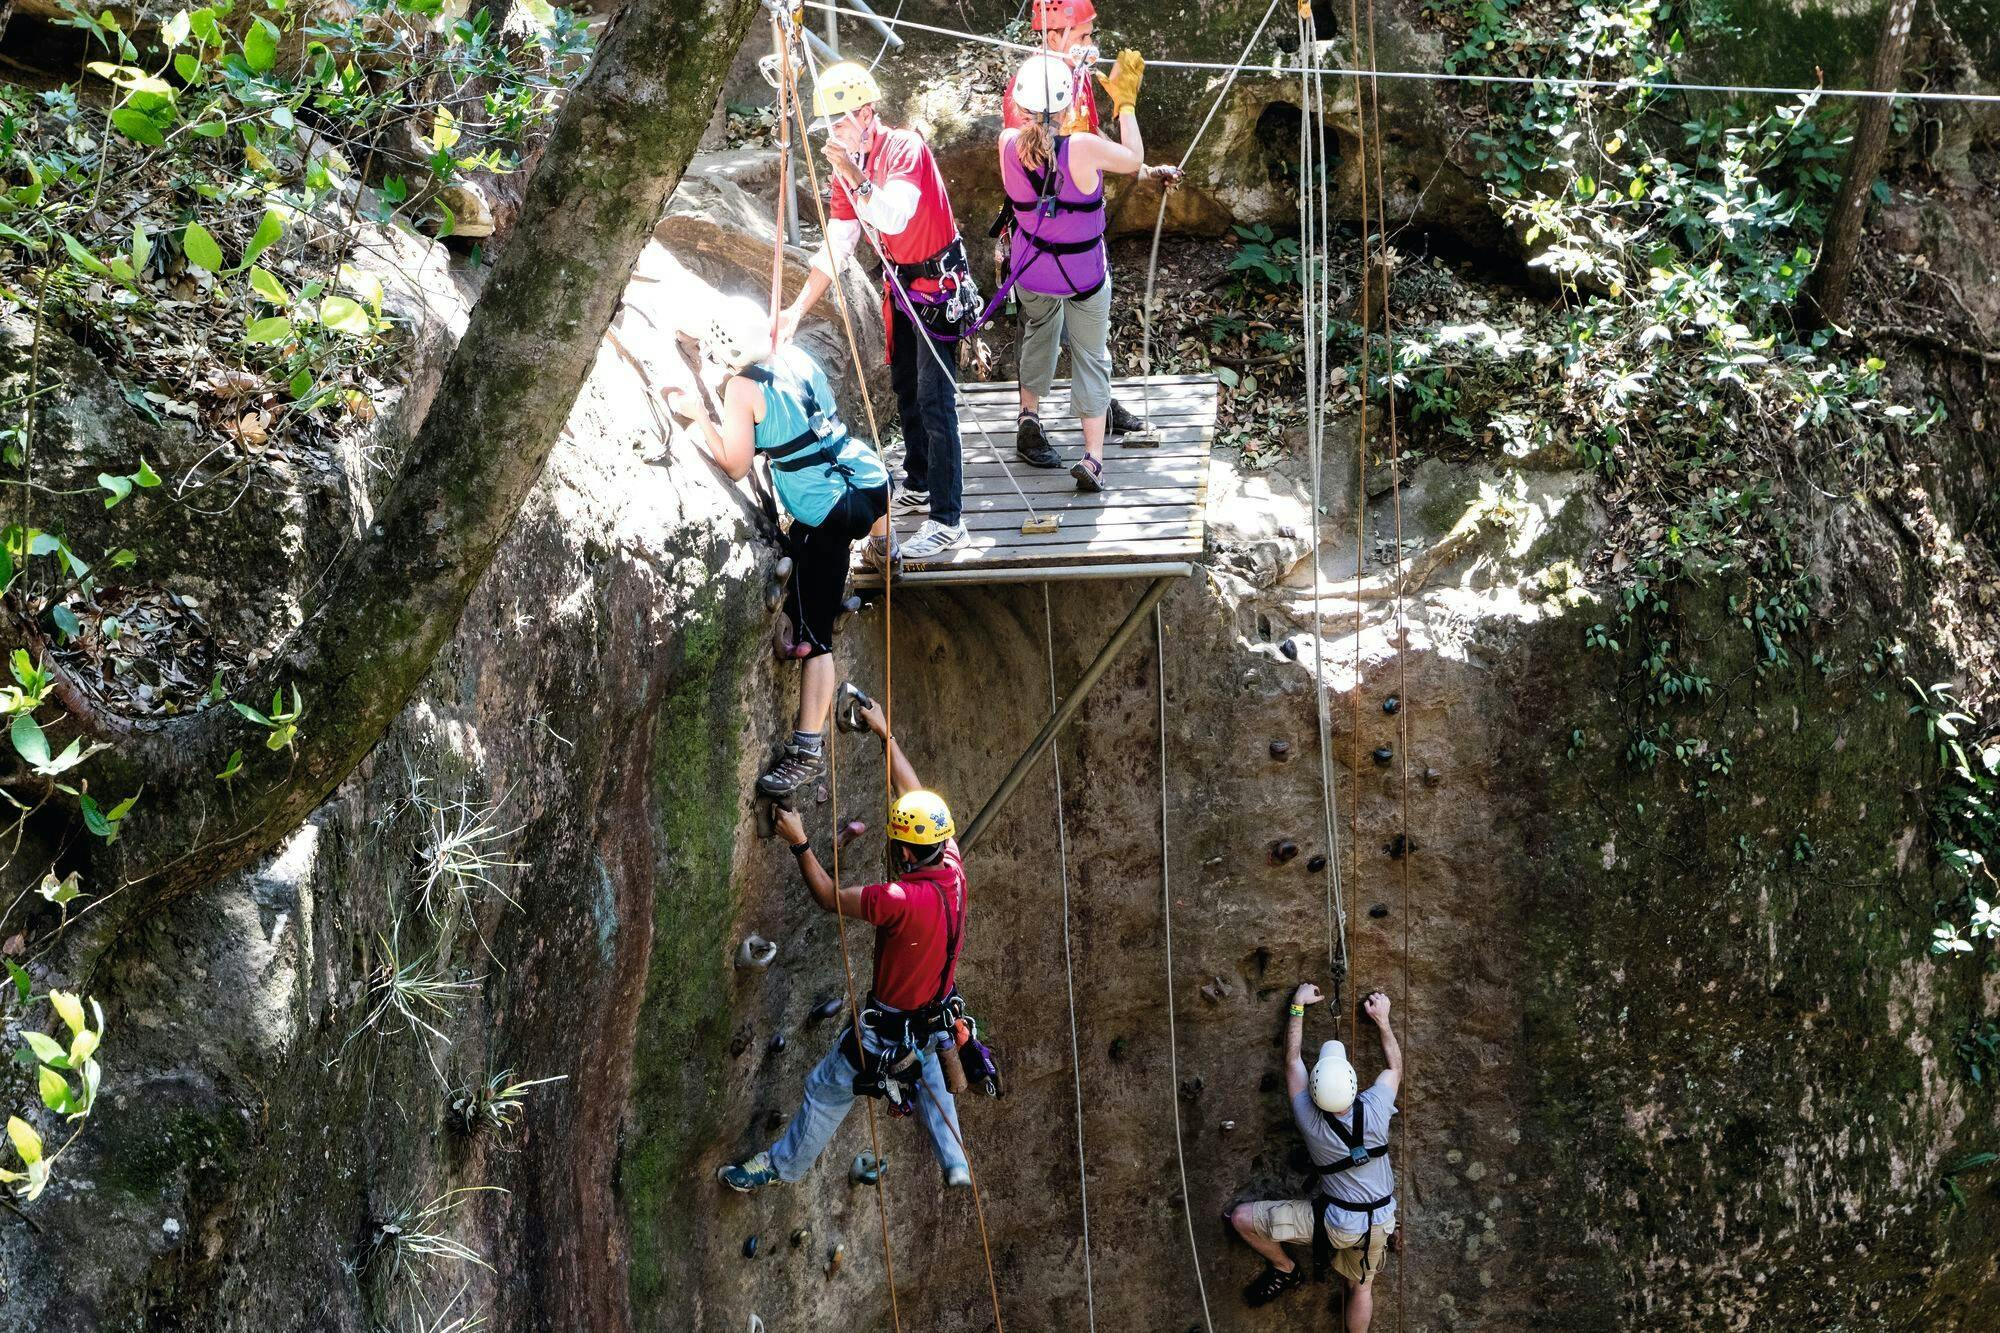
(833, 32)
(826, 53)
(792, 199)
(1071, 702)
(1156, 569)
(874, 21)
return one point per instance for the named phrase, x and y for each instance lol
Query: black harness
(1358, 1154)
(904, 1033)
(819, 444)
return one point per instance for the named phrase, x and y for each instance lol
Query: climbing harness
(818, 445)
(1358, 1154)
(1069, 975)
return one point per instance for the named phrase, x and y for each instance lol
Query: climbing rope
(1365, 70)
(789, 104)
(1167, 919)
(1069, 971)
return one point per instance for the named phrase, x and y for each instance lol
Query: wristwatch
(801, 848)
(865, 189)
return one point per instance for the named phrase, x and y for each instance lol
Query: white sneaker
(933, 539)
(909, 504)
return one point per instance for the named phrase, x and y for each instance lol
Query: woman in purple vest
(1055, 188)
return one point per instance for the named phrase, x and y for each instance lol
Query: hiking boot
(1031, 446)
(1089, 474)
(876, 555)
(750, 1176)
(934, 539)
(794, 770)
(1271, 1284)
(908, 504)
(1120, 422)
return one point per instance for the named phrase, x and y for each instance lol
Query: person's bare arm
(1376, 1006)
(1123, 156)
(788, 825)
(1296, 1078)
(900, 773)
(732, 444)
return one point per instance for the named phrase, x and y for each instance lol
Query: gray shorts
(1087, 320)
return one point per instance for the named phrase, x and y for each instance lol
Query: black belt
(951, 259)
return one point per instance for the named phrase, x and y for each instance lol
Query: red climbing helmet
(1055, 15)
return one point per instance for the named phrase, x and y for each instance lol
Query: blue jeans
(927, 403)
(829, 1095)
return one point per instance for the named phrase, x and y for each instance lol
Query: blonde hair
(1036, 144)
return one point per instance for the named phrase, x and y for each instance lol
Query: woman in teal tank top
(780, 404)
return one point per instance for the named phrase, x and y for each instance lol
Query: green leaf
(136, 125)
(120, 487)
(142, 248)
(1228, 377)
(187, 67)
(82, 1046)
(29, 741)
(90, 262)
(250, 713)
(65, 621)
(202, 251)
(281, 736)
(94, 820)
(210, 129)
(23, 987)
(61, 891)
(271, 329)
(260, 46)
(26, 1142)
(215, 689)
(269, 228)
(345, 315)
(54, 1089)
(145, 476)
(45, 1047)
(234, 766)
(266, 284)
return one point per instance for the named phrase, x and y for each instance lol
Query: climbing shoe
(958, 1178)
(1271, 1284)
(750, 1176)
(1031, 446)
(1120, 422)
(793, 771)
(934, 539)
(908, 504)
(847, 706)
(1089, 474)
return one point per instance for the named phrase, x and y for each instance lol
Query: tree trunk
(1826, 292)
(617, 151)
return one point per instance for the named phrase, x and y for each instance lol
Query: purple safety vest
(1058, 229)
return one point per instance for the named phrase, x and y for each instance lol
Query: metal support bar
(826, 52)
(874, 21)
(1067, 708)
(1163, 569)
(833, 32)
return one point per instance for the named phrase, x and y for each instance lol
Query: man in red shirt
(886, 179)
(919, 920)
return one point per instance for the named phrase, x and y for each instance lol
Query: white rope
(921, 333)
(1439, 76)
(1314, 229)
(1069, 972)
(1159, 223)
(1167, 915)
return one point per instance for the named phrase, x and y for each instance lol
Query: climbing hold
(1383, 754)
(1316, 863)
(778, 1043)
(865, 1171)
(1392, 705)
(1399, 846)
(847, 706)
(1229, 1126)
(1283, 850)
(836, 1254)
(783, 569)
(1118, 1048)
(750, 1248)
(849, 831)
(774, 591)
(1379, 910)
(1432, 777)
(756, 954)
(1263, 957)
(1217, 990)
(820, 796)
(774, 1120)
(800, 1237)
(850, 607)
(1191, 1086)
(1281, 750)
(826, 1009)
(740, 1041)
(1290, 648)
(1287, 531)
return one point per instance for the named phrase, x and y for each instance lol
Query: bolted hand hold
(1399, 846)
(750, 1247)
(1392, 705)
(826, 1009)
(778, 1043)
(1216, 991)
(1383, 754)
(865, 1170)
(1191, 1086)
(1290, 649)
(756, 953)
(1119, 1046)
(1281, 750)
(1316, 863)
(836, 1254)
(1379, 910)
(800, 1237)
(1432, 777)
(849, 831)
(1229, 1126)
(1283, 850)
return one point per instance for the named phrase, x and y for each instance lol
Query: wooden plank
(1110, 523)
(1007, 395)
(1133, 466)
(1025, 556)
(1120, 386)
(1191, 497)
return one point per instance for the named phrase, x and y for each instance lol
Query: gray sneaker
(909, 504)
(934, 539)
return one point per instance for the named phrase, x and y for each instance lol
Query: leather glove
(1122, 84)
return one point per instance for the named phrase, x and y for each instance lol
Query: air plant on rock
(414, 1236)
(461, 857)
(495, 1104)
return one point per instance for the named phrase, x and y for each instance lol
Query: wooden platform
(1151, 512)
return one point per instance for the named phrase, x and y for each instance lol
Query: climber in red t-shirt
(906, 1031)
(885, 184)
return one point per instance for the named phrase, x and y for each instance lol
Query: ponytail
(1036, 144)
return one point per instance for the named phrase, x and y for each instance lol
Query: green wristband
(1298, 1011)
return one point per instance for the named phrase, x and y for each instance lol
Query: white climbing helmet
(1045, 86)
(733, 343)
(1334, 1086)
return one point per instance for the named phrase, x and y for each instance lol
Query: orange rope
(789, 103)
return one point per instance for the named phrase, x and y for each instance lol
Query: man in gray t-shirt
(1347, 1136)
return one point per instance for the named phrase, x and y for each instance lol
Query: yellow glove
(1122, 84)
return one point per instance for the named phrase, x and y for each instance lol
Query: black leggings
(820, 559)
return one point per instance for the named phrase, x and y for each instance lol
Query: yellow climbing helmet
(842, 88)
(922, 819)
